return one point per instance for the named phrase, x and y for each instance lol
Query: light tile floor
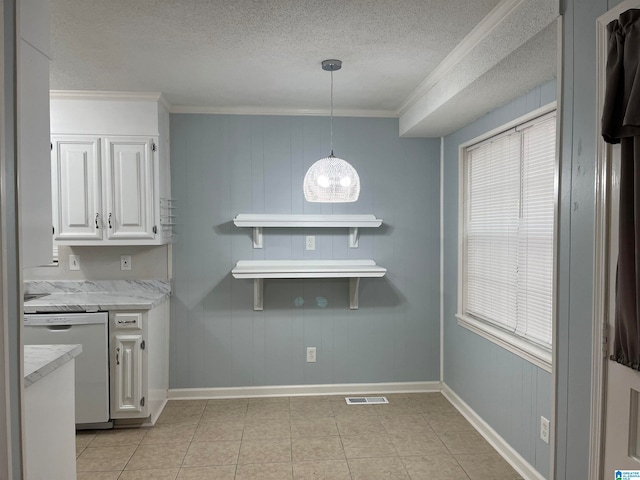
(416, 436)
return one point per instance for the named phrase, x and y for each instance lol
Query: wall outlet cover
(544, 429)
(125, 262)
(311, 354)
(310, 242)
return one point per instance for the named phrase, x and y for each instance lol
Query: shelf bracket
(354, 288)
(258, 293)
(257, 238)
(354, 236)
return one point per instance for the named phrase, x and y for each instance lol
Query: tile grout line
(378, 413)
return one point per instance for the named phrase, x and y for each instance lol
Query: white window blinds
(508, 225)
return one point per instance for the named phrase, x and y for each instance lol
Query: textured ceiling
(259, 56)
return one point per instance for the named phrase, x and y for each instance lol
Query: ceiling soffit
(514, 46)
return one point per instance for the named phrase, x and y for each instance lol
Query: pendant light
(331, 179)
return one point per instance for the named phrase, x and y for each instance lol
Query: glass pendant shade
(331, 180)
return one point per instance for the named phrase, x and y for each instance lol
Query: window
(507, 203)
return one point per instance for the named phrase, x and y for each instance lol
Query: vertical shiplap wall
(509, 393)
(577, 180)
(223, 165)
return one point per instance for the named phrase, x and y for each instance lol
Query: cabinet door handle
(109, 220)
(117, 356)
(97, 214)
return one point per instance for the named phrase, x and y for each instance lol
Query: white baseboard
(302, 390)
(507, 452)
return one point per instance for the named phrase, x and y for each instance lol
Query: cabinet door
(76, 185)
(129, 188)
(127, 374)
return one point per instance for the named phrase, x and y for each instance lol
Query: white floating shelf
(258, 270)
(352, 222)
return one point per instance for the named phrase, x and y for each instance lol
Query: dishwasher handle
(59, 328)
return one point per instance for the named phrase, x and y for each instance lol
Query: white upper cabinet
(129, 188)
(109, 186)
(104, 191)
(77, 188)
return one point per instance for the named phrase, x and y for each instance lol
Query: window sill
(539, 356)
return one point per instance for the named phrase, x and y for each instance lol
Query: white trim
(556, 232)
(106, 95)
(601, 255)
(517, 345)
(162, 100)
(295, 112)
(538, 112)
(442, 259)
(612, 14)
(462, 49)
(600, 270)
(153, 418)
(517, 461)
(305, 390)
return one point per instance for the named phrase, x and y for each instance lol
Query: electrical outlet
(544, 429)
(311, 354)
(74, 262)
(310, 242)
(125, 262)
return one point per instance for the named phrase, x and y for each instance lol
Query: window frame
(511, 341)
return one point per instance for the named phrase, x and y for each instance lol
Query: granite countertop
(41, 360)
(74, 296)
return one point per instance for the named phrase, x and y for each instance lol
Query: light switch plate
(74, 262)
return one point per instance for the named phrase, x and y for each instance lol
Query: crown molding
(468, 43)
(108, 95)
(212, 110)
(206, 110)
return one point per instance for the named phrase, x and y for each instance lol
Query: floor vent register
(366, 400)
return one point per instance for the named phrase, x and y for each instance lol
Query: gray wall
(103, 263)
(223, 165)
(574, 334)
(508, 392)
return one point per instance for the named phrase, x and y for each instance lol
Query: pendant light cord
(331, 123)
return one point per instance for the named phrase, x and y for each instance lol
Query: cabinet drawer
(128, 321)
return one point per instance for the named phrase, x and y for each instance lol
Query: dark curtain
(621, 124)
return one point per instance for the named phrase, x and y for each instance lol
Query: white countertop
(41, 360)
(94, 302)
(67, 296)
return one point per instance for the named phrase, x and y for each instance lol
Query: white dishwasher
(92, 365)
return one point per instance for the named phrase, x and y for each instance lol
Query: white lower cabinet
(128, 397)
(139, 360)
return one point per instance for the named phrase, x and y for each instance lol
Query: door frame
(601, 261)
